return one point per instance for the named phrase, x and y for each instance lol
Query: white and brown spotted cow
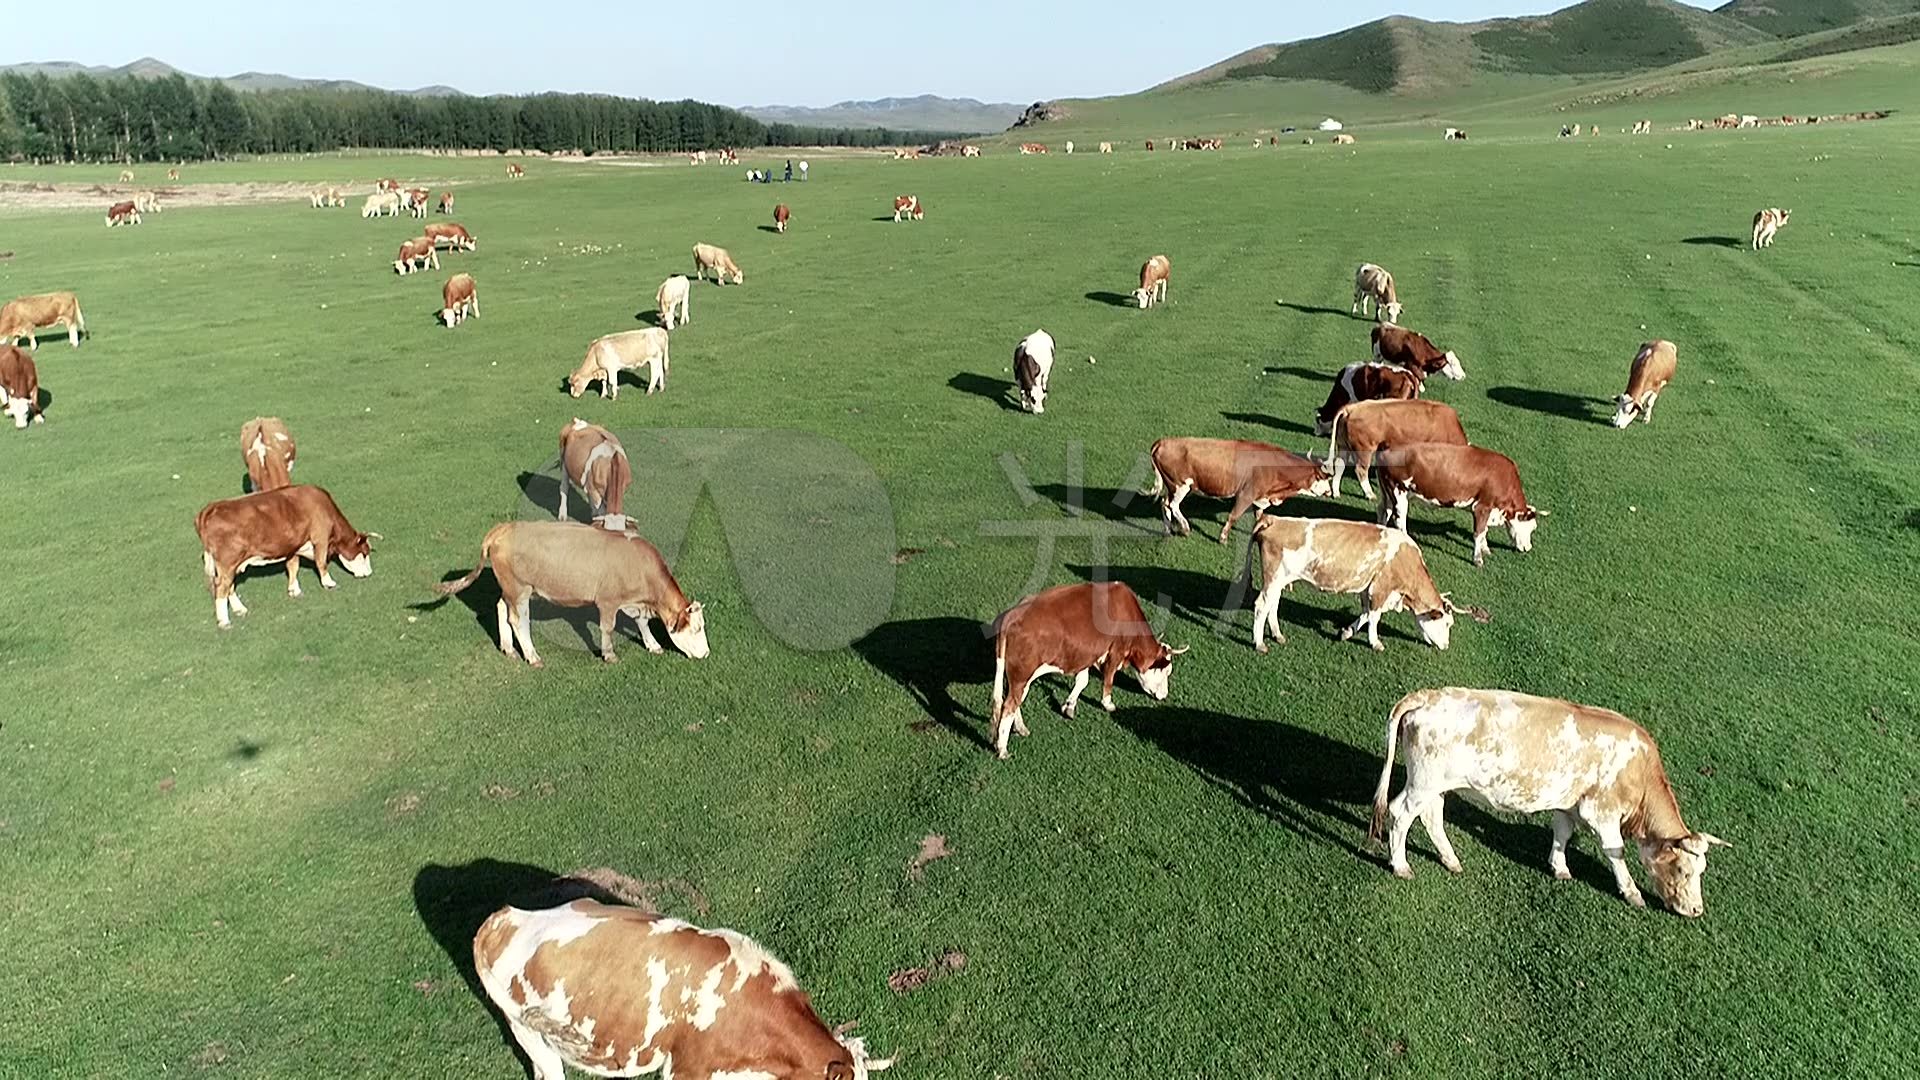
(1528, 754)
(19, 386)
(267, 447)
(1255, 475)
(1653, 368)
(1154, 275)
(1383, 565)
(592, 459)
(1366, 382)
(907, 208)
(1404, 348)
(1459, 476)
(1032, 366)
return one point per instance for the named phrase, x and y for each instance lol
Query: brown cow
(907, 206)
(459, 300)
(1068, 630)
(451, 233)
(19, 386)
(1653, 368)
(515, 172)
(388, 184)
(123, 213)
(780, 216)
(23, 318)
(1364, 428)
(616, 991)
(446, 202)
(1254, 475)
(416, 200)
(593, 460)
(267, 447)
(576, 565)
(416, 254)
(1366, 382)
(1401, 347)
(277, 526)
(1459, 476)
(1154, 275)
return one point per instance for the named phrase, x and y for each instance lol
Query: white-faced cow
(614, 353)
(19, 386)
(282, 525)
(1382, 565)
(1401, 347)
(781, 215)
(671, 298)
(1460, 476)
(1254, 475)
(1373, 285)
(1653, 368)
(1154, 275)
(459, 300)
(1032, 364)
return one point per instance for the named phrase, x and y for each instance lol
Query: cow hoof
(1067, 711)
(1261, 649)
(1563, 875)
(225, 625)
(1404, 873)
(1452, 867)
(1479, 561)
(610, 658)
(1377, 647)
(1346, 635)
(1636, 900)
(1003, 753)
(536, 662)
(656, 650)
(1107, 704)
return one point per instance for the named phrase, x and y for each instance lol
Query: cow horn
(1713, 841)
(1446, 602)
(375, 536)
(881, 1064)
(1171, 651)
(1537, 510)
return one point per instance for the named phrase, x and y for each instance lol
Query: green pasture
(261, 853)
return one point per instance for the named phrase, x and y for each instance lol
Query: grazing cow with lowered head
(1154, 275)
(1653, 368)
(515, 172)
(19, 386)
(1401, 347)
(459, 300)
(610, 355)
(1032, 364)
(1527, 754)
(616, 991)
(672, 299)
(281, 525)
(780, 216)
(416, 200)
(380, 204)
(1069, 630)
(450, 233)
(268, 450)
(1383, 565)
(1366, 428)
(593, 460)
(1373, 285)
(25, 316)
(416, 254)
(1254, 475)
(1366, 382)
(576, 565)
(1488, 482)
(123, 213)
(707, 257)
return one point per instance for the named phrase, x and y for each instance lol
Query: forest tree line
(80, 118)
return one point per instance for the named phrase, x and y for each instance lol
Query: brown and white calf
(1033, 148)
(1070, 630)
(282, 525)
(515, 172)
(1154, 275)
(780, 216)
(416, 200)
(907, 207)
(1402, 347)
(24, 316)
(1766, 223)
(122, 213)
(672, 299)
(1365, 428)
(1653, 368)
(416, 254)
(446, 202)
(1255, 475)
(616, 991)
(459, 300)
(387, 184)
(1373, 285)
(1528, 754)
(450, 233)
(1383, 565)
(267, 447)
(575, 565)
(707, 257)
(593, 460)
(1032, 365)
(1366, 382)
(1459, 476)
(610, 355)
(19, 386)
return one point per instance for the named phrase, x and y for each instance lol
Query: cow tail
(1333, 439)
(1159, 487)
(999, 675)
(448, 588)
(1394, 722)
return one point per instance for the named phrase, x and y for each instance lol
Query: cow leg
(1401, 816)
(523, 628)
(1366, 605)
(1562, 832)
(1373, 627)
(233, 592)
(293, 577)
(1363, 470)
(642, 616)
(1481, 515)
(1173, 509)
(73, 335)
(1009, 719)
(1240, 506)
(1384, 516)
(1073, 699)
(656, 379)
(1614, 847)
(320, 557)
(1109, 667)
(1433, 816)
(547, 1062)
(564, 481)
(608, 616)
(506, 626)
(1266, 613)
(1646, 412)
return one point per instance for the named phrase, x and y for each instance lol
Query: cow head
(690, 636)
(1625, 409)
(1142, 297)
(1677, 866)
(861, 1067)
(1036, 398)
(1784, 215)
(1521, 525)
(1390, 313)
(450, 316)
(1452, 369)
(577, 382)
(1322, 483)
(17, 407)
(1436, 626)
(1157, 671)
(356, 554)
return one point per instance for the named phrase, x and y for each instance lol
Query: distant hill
(149, 68)
(1791, 18)
(924, 113)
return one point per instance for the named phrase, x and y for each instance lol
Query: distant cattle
(282, 525)
(1401, 347)
(1254, 475)
(1373, 285)
(122, 213)
(1527, 754)
(1070, 630)
(614, 353)
(1069, 146)
(1456, 135)
(173, 174)
(460, 300)
(450, 234)
(1365, 382)
(1149, 145)
(1343, 139)
(1460, 476)
(323, 198)
(1033, 148)
(780, 216)
(416, 200)
(1653, 368)
(1766, 223)
(966, 151)
(126, 176)
(1106, 148)
(1154, 275)
(446, 202)
(671, 299)
(146, 202)
(1365, 428)
(573, 565)
(268, 450)
(515, 172)
(25, 316)
(380, 204)
(593, 460)
(19, 386)
(707, 258)
(387, 184)
(1382, 565)
(1643, 127)
(907, 207)
(1032, 365)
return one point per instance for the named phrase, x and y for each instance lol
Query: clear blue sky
(736, 52)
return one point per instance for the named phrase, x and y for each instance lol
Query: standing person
(788, 179)
(803, 172)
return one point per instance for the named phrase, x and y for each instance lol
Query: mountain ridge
(922, 112)
(148, 67)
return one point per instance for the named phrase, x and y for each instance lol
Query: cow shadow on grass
(1263, 420)
(1716, 241)
(928, 658)
(1550, 402)
(482, 599)
(1309, 309)
(1913, 518)
(1113, 299)
(1524, 842)
(543, 491)
(1115, 504)
(1308, 374)
(768, 228)
(998, 391)
(648, 316)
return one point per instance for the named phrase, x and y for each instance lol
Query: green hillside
(1791, 18)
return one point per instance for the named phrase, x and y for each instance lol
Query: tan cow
(1366, 382)
(446, 202)
(173, 174)
(1343, 139)
(593, 460)
(1155, 273)
(268, 450)
(1254, 475)
(575, 565)
(672, 299)
(126, 176)
(1528, 754)
(146, 202)
(708, 257)
(1033, 148)
(1653, 368)
(1372, 284)
(25, 316)
(615, 991)
(460, 300)
(1383, 565)
(1070, 630)
(1366, 428)
(1469, 476)
(1106, 148)
(19, 387)
(610, 355)
(281, 525)
(450, 233)
(380, 204)
(416, 201)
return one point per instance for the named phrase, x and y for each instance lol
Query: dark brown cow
(277, 526)
(19, 386)
(1401, 347)
(1364, 428)
(1255, 475)
(1069, 630)
(1459, 476)
(123, 213)
(780, 216)
(268, 449)
(1366, 382)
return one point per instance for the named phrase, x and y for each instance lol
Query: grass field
(260, 853)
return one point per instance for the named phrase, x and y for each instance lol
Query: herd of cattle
(730, 1007)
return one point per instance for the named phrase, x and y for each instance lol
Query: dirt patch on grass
(33, 196)
(907, 980)
(932, 846)
(403, 804)
(212, 1055)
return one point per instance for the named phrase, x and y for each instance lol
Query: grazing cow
(25, 316)
(1032, 363)
(1106, 148)
(1383, 565)
(595, 462)
(707, 257)
(450, 233)
(907, 207)
(1366, 382)
(319, 199)
(1527, 754)
(416, 200)
(575, 565)
(281, 525)
(1154, 275)
(380, 204)
(460, 300)
(1401, 347)
(615, 991)
(1451, 134)
(1343, 139)
(19, 386)
(780, 216)
(966, 151)
(1254, 475)
(515, 172)
(1365, 428)
(416, 254)
(609, 355)
(126, 176)
(672, 298)
(1444, 475)
(446, 202)
(146, 202)
(387, 184)
(1149, 145)
(267, 448)
(1069, 630)
(173, 174)
(1653, 368)
(1766, 223)
(1069, 146)
(1033, 148)
(122, 213)
(1372, 284)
